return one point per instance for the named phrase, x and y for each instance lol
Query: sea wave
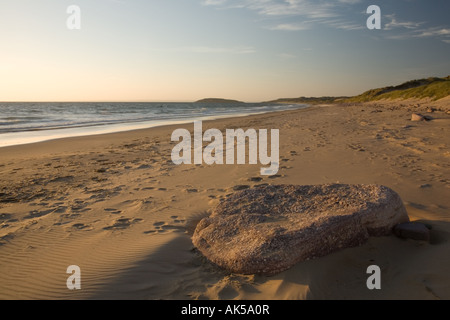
(19, 123)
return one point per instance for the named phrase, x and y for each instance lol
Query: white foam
(26, 137)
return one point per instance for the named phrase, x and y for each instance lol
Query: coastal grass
(433, 88)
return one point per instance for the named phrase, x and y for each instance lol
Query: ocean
(31, 122)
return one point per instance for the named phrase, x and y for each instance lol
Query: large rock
(268, 229)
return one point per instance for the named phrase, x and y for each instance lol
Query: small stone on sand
(417, 117)
(413, 230)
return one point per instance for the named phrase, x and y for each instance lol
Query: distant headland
(432, 88)
(217, 100)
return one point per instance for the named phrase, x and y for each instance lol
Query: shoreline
(15, 138)
(124, 135)
(116, 206)
(36, 136)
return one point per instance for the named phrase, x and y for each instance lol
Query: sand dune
(117, 206)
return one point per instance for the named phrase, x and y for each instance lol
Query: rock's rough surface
(268, 229)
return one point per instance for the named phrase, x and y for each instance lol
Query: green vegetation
(312, 100)
(434, 88)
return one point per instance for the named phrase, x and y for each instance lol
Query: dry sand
(116, 206)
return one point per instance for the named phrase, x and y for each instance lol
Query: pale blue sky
(184, 50)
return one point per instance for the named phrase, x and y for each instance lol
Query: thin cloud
(291, 27)
(401, 30)
(213, 2)
(338, 14)
(218, 50)
(345, 25)
(394, 23)
(350, 1)
(440, 33)
(311, 12)
(434, 32)
(287, 56)
(305, 8)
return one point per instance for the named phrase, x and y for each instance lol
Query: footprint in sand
(161, 227)
(261, 185)
(356, 147)
(80, 226)
(60, 209)
(158, 224)
(38, 214)
(5, 216)
(241, 187)
(144, 166)
(5, 239)
(122, 223)
(6, 219)
(113, 211)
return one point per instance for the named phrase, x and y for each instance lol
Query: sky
(186, 50)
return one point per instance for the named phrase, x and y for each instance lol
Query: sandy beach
(116, 206)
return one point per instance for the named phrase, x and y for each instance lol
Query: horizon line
(123, 101)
